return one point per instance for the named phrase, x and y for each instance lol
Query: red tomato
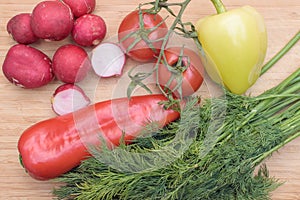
(190, 71)
(133, 37)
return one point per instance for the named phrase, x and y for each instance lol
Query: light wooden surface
(20, 108)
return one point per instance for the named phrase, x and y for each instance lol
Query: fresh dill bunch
(210, 153)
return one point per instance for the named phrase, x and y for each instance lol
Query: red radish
(52, 20)
(68, 98)
(27, 67)
(81, 7)
(108, 59)
(19, 28)
(89, 30)
(70, 63)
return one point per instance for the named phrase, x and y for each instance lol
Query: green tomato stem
(160, 58)
(281, 53)
(219, 6)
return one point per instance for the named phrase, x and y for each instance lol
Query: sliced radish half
(108, 60)
(68, 98)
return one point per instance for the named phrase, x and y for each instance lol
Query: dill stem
(270, 104)
(276, 148)
(288, 121)
(281, 53)
(292, 125)
(289, 118)
(285, 83)
(294, 134)
(281, 89)
(280, 105)
(277, 103)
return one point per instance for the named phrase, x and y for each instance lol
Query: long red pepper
(55, 146)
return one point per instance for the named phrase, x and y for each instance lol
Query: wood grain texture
(20, 108)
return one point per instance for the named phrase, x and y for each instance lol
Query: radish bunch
(54, 21)
(28, 67)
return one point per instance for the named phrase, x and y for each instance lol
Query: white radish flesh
(108, 60)
(68, 98)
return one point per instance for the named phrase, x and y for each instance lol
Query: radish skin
(108, 60)
(52, 20)
(20, 29)
(68, 98)
(89, 30)
(27, 67)
(71, 63)
(81, 7)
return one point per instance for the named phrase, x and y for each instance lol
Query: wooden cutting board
(19, 108)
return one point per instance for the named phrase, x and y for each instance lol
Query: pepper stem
(219, 6)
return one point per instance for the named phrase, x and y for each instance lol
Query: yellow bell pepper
(234, 46)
